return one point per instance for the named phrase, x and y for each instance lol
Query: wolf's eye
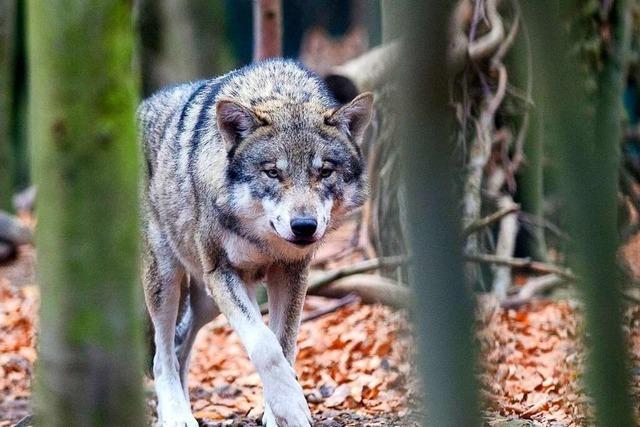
(271, 173)
(326, 172)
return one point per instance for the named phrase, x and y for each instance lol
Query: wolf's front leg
(283, 394)
(161, 277)
(286, 288)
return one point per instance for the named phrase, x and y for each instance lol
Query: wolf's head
(294, 169)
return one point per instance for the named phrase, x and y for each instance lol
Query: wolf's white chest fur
(244, 254)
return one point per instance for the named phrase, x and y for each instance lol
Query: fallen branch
(539, 267)
(371, 289)
(13, 231)
(319, 279)
(630, 297)
(345, 300)
(490, 219)
(534, 287)
(372, 69)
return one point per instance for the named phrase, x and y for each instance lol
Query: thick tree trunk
(267, 29)
(585, 136)
(7, 56)
(83, 99)
(443, 307)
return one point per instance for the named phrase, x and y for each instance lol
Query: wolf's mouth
(302, 242)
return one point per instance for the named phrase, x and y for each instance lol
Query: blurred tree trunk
(267, 29)
(443, 310)
(181, 40)
(8, 18)
(585, 133)
(531, 175)
(169, 52)
(83, 100)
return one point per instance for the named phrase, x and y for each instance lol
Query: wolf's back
(154, 116)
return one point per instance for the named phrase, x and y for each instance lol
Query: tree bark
(83, 100)
(442, 306)
(7, 58)
(267, 29)
(531, 175)
(585, 135)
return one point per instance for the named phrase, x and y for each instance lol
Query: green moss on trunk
(83, 99)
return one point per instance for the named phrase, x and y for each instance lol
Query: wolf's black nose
(304, 226)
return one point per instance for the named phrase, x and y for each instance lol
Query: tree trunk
(7, 55)
(83, 100)
(443, 308)
(531, 176)
(267, 29)
(585, 134)
(168, 54)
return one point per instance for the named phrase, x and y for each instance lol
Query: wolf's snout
(304, 226)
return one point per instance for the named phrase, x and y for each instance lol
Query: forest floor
(354, 363)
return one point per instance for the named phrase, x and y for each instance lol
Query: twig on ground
(345, 300)
(319, 279)
(540, 267)
(370, 288)
(534, 287)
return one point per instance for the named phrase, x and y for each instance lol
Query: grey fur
(229, 163)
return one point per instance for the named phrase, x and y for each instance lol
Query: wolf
(245, 174)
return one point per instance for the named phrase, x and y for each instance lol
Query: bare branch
(345, 300)
(539, 267)
(371, 289)
(490, 219)
(319, 279)
(535, 286)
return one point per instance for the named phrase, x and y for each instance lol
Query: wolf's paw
(178, 421)
(291, 411)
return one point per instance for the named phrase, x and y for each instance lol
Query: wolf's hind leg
(162, 275)
(201, 309)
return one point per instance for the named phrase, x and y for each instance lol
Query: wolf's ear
(353, 117)
(235, 121)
